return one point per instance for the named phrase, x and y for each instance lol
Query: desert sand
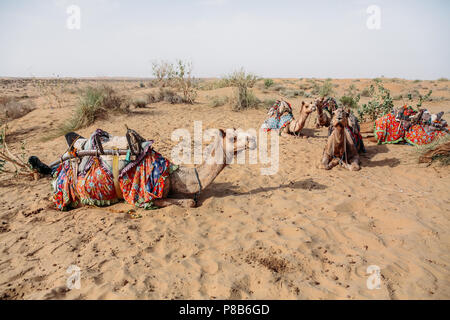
(303, 233)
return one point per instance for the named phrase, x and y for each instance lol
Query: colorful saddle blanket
(141, 181)
(392, 128)
(280, 115)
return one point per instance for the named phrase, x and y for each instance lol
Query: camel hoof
(190, 203)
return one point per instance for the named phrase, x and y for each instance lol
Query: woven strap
(115, 170)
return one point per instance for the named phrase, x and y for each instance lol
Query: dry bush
(438, 150)
(11, 162)
(324, 90)
(164, 95)
(179, 76)
(184, 81)
(218, 101)
(163, 72)
(170, 96)
(140, 103)
(213, 85)
(243, 97)
(11, 109)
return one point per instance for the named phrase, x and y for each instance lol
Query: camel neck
(303, 118)
(210, 169)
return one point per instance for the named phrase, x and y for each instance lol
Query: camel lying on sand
(340, 148)
(180, 184)
(296, 126)
(184, 183)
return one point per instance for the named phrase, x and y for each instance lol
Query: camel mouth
(339, 124)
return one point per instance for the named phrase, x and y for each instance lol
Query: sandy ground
(303, 233)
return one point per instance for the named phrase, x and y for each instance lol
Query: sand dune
(303, 233)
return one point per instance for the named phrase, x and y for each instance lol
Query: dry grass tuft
(94, 103)
(11, 109)
(438, 150)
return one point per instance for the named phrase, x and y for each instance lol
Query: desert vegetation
(11, 109)
(218, 101)
(437, 151)
(380, 103)
(243, 97)
(94, 103)
(14, 163)
(178, 76)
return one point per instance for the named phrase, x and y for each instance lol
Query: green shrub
(243, 96)
(94, 103)
(380, 104)
(350, 101)
(351, 98)
(268, 83)
(293, 93)
(324, 90)
(422, 98)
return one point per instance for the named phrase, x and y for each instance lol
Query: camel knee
(325, 164)
(355, 167)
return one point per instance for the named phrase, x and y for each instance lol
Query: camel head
(237, 140)
(319, 103)
(340, 118)
(307, 108)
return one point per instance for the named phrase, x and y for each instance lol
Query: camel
(184, 182)
(296, 126)
(340, 148)
(323, 118)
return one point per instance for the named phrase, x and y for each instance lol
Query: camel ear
(303, 103)
(224, 134)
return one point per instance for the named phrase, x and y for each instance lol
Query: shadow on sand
(366, 158)
(222, 190)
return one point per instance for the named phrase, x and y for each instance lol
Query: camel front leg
(353, 165)
(294, 128)
(185, 203)
(326, 163)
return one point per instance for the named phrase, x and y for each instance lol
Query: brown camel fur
(323, 119)
(183, 182)
(295, 126)
(340, 148)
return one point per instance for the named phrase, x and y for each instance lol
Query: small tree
(324, 90)
(184, 80)
(351, 98)
(422, 98)
(243, 81)
(163, 71)
(268, 83)
(380, 104)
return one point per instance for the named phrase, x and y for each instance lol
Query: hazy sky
(278, 38)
